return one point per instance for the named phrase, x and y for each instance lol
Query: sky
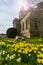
(9, 9)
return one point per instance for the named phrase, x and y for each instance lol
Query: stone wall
(25, 31)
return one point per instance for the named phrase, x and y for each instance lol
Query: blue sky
(9, 9)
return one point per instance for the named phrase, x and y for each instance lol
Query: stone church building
(30, 22)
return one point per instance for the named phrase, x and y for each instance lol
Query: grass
(11, 50)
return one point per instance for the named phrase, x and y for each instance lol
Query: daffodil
(29, 54)
(41, 49)
(19, 59)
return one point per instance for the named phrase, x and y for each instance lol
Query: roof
(40, 4)
(33, 9)
(16, 20)
(28, 11)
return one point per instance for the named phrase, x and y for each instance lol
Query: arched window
(23, 26)
(26, 24)
(35, 24)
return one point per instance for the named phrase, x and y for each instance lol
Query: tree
(11, 32)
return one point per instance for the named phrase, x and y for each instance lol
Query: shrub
(11, 32)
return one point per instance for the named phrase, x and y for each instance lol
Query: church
(30, 22)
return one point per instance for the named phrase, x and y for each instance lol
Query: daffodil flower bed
(21, 52)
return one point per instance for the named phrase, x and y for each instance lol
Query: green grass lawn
(21, 52)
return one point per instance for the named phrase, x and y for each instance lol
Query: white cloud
(4, 28)
(8, 10)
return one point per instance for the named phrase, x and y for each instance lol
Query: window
(23, 26)
(35, 24)
(26, 24)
